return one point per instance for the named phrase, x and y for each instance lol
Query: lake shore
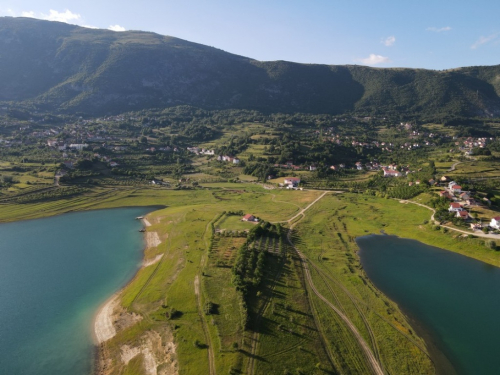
(111, 317)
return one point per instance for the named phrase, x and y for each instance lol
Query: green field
(290, 328)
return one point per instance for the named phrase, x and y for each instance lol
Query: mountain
(64, 67)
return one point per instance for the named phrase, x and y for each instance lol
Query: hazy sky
(434, 34)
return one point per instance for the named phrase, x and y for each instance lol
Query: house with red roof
(463, 215)
(292, 181)
(455, 207)
(445, 194)
(249, 217)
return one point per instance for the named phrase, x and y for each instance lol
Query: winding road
(477, 233)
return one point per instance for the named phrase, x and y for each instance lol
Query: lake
(454, 299)
(54, 274)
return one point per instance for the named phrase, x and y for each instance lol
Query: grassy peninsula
(188, 297)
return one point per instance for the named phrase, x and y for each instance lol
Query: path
(370, 357)
(301, 212)
(452, 168)
(477, 234)
(374, 363)
(208, 338)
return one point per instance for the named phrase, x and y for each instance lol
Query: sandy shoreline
(157, 349)
(104, 328)
(103, 323)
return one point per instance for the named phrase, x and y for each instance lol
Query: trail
(452, 168)
(301, 212)
(208, 339)
(370, 357)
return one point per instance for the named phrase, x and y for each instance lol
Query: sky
(426, 34)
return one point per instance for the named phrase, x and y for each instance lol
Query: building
(445, 194)
(495, 222)
(78, 146)
(391, 173)
(249, 217)
(463, 215)
(292, 181)
(457, 189)
(476, 226)
(455, 207)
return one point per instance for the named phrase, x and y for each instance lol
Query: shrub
(490, 244)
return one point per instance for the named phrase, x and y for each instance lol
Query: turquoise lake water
(54, 274)
(455, 299)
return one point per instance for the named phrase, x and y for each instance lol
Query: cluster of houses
(469, 143)
(460, 200)
(162, 149)
(62, 146)
(201, 151)
(228, 159)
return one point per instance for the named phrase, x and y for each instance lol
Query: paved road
(476, 233)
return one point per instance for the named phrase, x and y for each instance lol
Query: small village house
(495, 222)
(292, 181)
(249, 217)
(455, 207)
(463, 215)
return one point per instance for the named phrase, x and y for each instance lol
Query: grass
(294, 332)
(234, 222)
(288, 337)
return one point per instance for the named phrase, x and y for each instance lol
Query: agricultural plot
(224, 250)
(285, 335)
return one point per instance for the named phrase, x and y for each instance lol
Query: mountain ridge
(62, 67)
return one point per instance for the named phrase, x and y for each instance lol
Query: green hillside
(64, 67)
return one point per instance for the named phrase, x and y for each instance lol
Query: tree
(490, 244)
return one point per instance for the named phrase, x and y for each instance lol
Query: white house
(292, 181)
(455, 207)
(391, 173)
(78, 146)
(495, 222)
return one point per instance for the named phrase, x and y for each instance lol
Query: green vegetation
(118, 65)
(234, 296)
